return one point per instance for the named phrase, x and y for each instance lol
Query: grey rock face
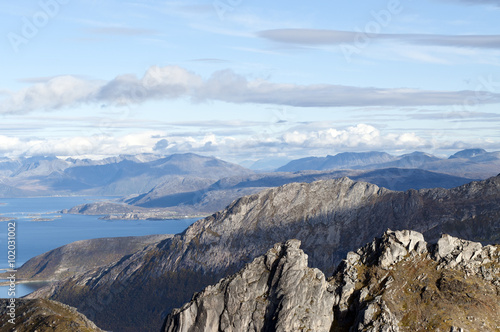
(396, 247)
(278, 292)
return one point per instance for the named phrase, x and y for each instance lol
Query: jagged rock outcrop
(395, 283)
(401, 283)
(43, 315)
(276, 292)
(330, 217)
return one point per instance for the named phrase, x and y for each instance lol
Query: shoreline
(26, 281)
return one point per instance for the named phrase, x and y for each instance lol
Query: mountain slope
(406, 178)
(396, 283)
(81, 256)
(330, 218)
(469, 153)
(44, 315)
(345, 160)
(411, 160)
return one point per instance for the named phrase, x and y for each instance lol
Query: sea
(39, 227)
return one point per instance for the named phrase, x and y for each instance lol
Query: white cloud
(360, 136)
(173, 82)
(9, 143)
(96, 145)
(57, 92)
(293, 143)
(158, 83)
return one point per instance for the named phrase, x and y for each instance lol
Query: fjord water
(36, 237)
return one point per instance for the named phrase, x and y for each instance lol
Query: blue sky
(246, 80)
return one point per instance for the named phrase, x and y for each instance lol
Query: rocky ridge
(329, 217)
(396, 283)
(164, 201)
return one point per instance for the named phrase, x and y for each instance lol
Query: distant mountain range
(194, 185)
(471, 163)
(153, 176)
(119, 176)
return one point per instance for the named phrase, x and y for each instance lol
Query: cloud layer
(337, 37)
(295, 142)
(172, 82)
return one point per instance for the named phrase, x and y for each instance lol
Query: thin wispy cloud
(476, 2)
(121, 31)
(256, 50)
(179, 9)
(338, 37)
(34, 80)
(211, 60)
(172, 82)
(457, 115)
(221, 30)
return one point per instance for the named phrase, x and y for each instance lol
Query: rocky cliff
(329, 217)
(396, 283)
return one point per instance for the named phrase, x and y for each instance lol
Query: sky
(248, 80)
